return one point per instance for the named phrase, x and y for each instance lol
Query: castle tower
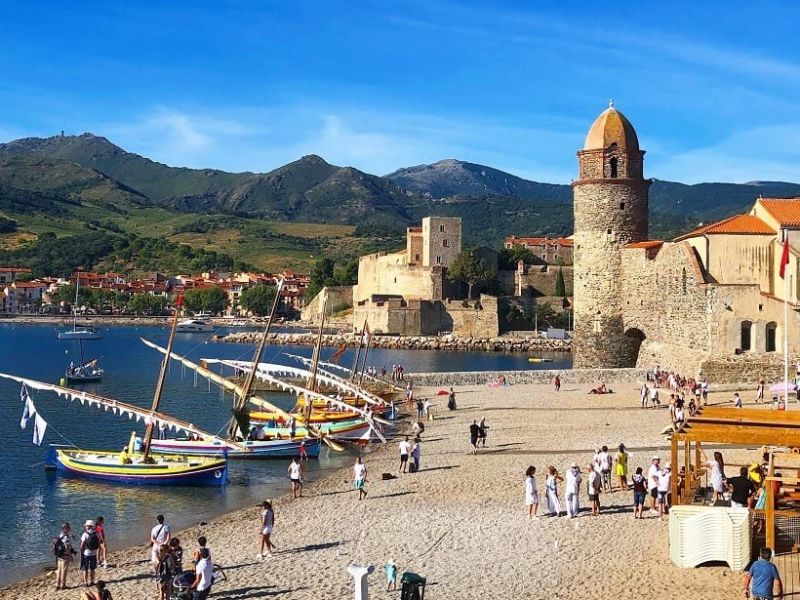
(610, 204)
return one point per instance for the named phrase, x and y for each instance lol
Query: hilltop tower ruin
(610, 206)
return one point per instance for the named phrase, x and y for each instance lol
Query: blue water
(36, 502)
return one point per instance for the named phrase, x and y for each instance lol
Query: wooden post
(769, 509)
(687, 479)
(673, 459)
(697, 464)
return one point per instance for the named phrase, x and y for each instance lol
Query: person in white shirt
(652, 481)
(664, 483)
(296, 476)
(604, 458)
(654, 396)
(531, 492)
(405, 450)
(572, 486)
(360, 478)
(159, 536)
(737, 400)
(593, 485)
(204, 576)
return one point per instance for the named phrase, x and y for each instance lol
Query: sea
(35, 502)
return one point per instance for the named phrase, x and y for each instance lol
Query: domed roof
(611, 127)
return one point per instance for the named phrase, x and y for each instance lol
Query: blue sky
(711, 87)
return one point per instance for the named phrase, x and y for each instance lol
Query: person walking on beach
(652, 481)
(90, 543)
(296, 476)
(737, 400)
(420, 408)
(760, 391)
(204, 576)
(267, 524)
(762, 581)
(102, 554)
(531, 492)
(451, 400)
(639, 493)
(416, 452)
(557, 382)
(391, 575)
(551, 485)
(405, 450)
(63, 551)
(621, 468)
(159, 535)
(593, 487)
(427, 409)
(482, 431)
(717, 468)
(360, 477)
(572, 489)
(474, 433)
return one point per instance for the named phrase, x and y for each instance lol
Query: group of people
(166, 558)
(409, 449)
(477, 434)
(92, 548)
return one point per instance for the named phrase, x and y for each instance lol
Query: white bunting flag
(28, 413)
(39, 427)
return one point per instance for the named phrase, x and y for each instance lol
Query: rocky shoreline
(446, 342)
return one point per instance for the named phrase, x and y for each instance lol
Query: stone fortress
(710, 301)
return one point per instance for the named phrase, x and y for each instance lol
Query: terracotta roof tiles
(784, 210)
(736, 225)
(648, 244)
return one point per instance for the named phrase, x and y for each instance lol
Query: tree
(468, 268)
(211, 300)
(145, 304)
(508, 258)
(258, 299)
(321, 276)
(561, 289)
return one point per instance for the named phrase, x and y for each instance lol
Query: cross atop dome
(610, 103)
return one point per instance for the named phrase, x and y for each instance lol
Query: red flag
(179, 302)
(784, 259)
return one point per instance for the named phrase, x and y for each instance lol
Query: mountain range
(46, 184)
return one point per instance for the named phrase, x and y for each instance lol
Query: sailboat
(84, 332)
(87, 371)
(136, 465)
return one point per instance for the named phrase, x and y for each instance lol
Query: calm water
(35, 502)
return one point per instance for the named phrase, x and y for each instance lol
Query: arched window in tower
(613, 165)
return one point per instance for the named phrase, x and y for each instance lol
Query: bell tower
(610, 207)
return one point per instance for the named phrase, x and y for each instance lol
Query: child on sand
(391, 575)
(267, 524)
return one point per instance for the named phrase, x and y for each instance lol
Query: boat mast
(250, 380)
(312, 381)
(148, 434)
(366, 354)
(358, 354)
(75, 307)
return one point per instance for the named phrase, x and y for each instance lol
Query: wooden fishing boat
(159, 470)
(270, 448)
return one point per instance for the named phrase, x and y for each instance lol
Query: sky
(712, 88)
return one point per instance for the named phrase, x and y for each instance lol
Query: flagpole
(785, 323)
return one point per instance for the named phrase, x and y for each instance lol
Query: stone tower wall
(609, 213)
(434, 240)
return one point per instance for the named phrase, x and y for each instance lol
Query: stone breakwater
(447, 342)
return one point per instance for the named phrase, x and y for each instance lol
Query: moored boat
(194, 326)
(158, 470)
(271, 448)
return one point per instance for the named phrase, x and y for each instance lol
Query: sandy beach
(460, 521)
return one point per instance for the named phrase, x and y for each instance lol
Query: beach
(461, 521)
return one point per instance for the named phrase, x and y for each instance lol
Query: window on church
(445, 243)
(622, 206)
(613, 164)
(608, 231)
(441, 228)
(438, 260)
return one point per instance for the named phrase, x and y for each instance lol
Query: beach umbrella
(779, 387)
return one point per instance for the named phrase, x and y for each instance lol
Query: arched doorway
(745, 336)
(633, 342)
(771, 337)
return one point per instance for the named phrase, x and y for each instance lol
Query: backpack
(59, 547)
(164, 571)
(93, 541)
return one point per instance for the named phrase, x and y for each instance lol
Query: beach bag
(163, 571)
(59, 548)
(93, 541)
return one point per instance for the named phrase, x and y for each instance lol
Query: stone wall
(480, 319)
(542, 279)
(335, 295)
(446, 245)
(584, 377)
(748, 368)
(390, 274)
